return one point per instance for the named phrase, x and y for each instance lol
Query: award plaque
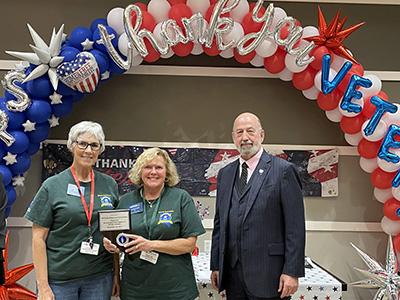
(113, 224)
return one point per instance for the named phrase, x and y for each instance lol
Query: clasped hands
(137, 244)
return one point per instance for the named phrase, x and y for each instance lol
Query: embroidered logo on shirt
(105, 201)
(166, 218)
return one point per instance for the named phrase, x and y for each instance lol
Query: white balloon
(312, 93)
(387, 166)
(375, 87)
(382, 195)
(337, 62)
(239, 11)
(235, 34)
(227, 53)
(115, 19)
(137, 60)
(290, 62)
(194, 26)
(309, 31)
(396, 193)
(159, 9)
(352, 114)
(390, 226)
(267, 48)
(353, 139)
(378, 134)
(257, 61)
(279, 14)
(368, 165)
(390, 118)
(200, 6)
(123, 44)
(318, 76)
(169, 54)
(285, 75)
(197, 49)
(334, 115)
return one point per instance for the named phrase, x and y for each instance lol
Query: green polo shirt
(58, 206)
(172, 277)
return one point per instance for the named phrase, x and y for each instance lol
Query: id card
(90, 248)
(74, 191)
(149, 256)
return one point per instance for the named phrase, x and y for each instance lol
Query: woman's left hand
(138, 244)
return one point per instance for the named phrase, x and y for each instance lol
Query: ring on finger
(137, 247)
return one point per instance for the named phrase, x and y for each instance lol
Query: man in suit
(259, 228)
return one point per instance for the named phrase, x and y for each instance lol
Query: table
(317, 284)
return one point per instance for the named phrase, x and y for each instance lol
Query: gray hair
(86, 127)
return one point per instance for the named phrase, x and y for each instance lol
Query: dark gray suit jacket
(273, 234)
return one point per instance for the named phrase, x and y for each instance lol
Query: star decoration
(18, 180)
(55, 98)
(20, 67)
(44, 57)
(10, 158)
(87, 45)
(332, 35)
(386, 279)
(225, 156)
(11, 289)
(29, 126)
(54, 121)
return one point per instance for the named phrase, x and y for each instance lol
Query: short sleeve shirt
(58, 206)
(172, 277)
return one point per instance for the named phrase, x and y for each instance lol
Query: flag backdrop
(198, 167)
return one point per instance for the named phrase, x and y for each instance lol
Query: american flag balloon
(81, 74)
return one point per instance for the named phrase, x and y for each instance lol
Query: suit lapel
(228, 184)
(258, 177)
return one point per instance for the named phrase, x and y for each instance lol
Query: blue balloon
(20, 144)
(351, 92)
(96, 37)
(11, 195)
(63, 89)
(79, 35)
(33, 148)
(39, 112)
(39, 87)
(381, 107)
(102, 60)
(6, 174)
(62, 109)
(3, 152)
(41, 132)
(22, 165)
(96, 22)
(75, 97)
(69, 53)
(115, 69)
(15, 119)
(326, 85)
(7, 212)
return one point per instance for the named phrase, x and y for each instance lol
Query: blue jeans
(92, 288)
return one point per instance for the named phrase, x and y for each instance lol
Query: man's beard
(246, 151)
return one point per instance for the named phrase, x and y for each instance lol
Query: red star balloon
(11, 290)
(332, 36)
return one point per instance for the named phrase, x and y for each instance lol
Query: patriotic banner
(198, 167)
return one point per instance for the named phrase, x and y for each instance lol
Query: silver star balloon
(385, 279)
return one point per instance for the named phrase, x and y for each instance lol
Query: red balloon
(244, 58)
(213, 51)
(391, 208)
(356, 69)
(148, 21)
(142, 6)
(329, 101)
(210, 11)
(369, 108)
(381, 179)
(173, 2)
(153, 53)
(275, 63)
(179, 11)
(396, 243)
(368, 149)
(183, 49)
(304, 80)
(352, 125)
(318, 53)
(212, 2)
(261, 11)
(249, 25)
(285, 32)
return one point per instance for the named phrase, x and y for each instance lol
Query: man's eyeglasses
(83, 145)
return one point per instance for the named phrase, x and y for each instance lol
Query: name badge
(74, 191)
(90, 248)
(136, 208)
(149, 256)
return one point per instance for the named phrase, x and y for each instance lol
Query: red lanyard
(88, 212)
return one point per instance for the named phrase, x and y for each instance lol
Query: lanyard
(148, 225)
(89, 211)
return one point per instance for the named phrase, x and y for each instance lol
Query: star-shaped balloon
(11, 290)
(385, 278)
(332, 35)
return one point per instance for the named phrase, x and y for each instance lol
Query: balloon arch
(313, 59)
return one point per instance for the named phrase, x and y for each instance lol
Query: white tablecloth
(317, 284)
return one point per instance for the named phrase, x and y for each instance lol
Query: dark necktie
(243, 177)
